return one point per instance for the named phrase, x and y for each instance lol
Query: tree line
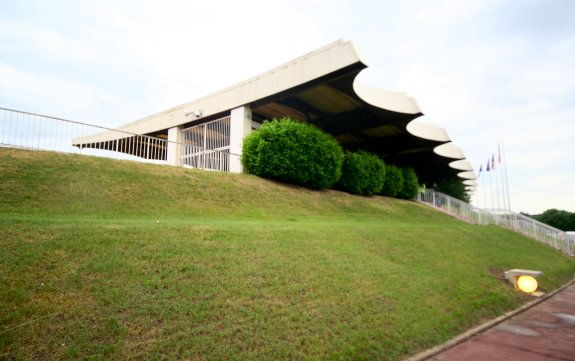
(557, 218)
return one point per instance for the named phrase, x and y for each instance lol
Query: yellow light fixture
(527, 284)
(523, 280)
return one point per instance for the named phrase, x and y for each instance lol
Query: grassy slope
(107, 259)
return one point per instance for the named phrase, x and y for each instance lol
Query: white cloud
(448, 11)
(547, 193)
(49, 92)
(51, 45)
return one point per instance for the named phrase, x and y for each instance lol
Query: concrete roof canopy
(321, 88)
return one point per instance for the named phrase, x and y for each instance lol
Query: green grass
(104, 259)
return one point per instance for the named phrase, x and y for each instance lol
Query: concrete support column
(240, 127)
(175, 145)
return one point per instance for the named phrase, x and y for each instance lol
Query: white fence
(19, 129)
(527, 226)
(207, 145)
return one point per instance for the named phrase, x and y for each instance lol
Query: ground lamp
(523, 280)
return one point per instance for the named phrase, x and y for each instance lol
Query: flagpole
(501, 174)
(484, 192)
(506, 177)
(480, 191)
(490, 183)
(496, 181)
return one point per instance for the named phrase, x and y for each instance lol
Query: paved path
(545, 332)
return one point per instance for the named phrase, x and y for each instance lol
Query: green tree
(454, 187)
(293, 152)
(560, 219)
(410, 184)
(362, 173)
(393, 181)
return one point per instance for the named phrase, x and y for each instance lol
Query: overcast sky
(481, 69)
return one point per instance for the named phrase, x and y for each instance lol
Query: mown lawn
(103, 259)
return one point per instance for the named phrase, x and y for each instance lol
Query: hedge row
(293, 152)
(362, 173)
(300, 153)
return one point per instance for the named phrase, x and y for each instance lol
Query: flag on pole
(499, 153)
(480, 169)
(492, 161)
(487, 168)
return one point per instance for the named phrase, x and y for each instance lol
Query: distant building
(320, 88)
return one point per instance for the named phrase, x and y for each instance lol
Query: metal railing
(26, 130)
(20, 129)
(520, 223)
(207, 145)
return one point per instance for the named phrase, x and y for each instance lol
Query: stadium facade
(319, 88)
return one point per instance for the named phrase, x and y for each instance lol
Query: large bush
(455, 188)
(362, 173)
(393, 181)
(410, 184)
(293, 152)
